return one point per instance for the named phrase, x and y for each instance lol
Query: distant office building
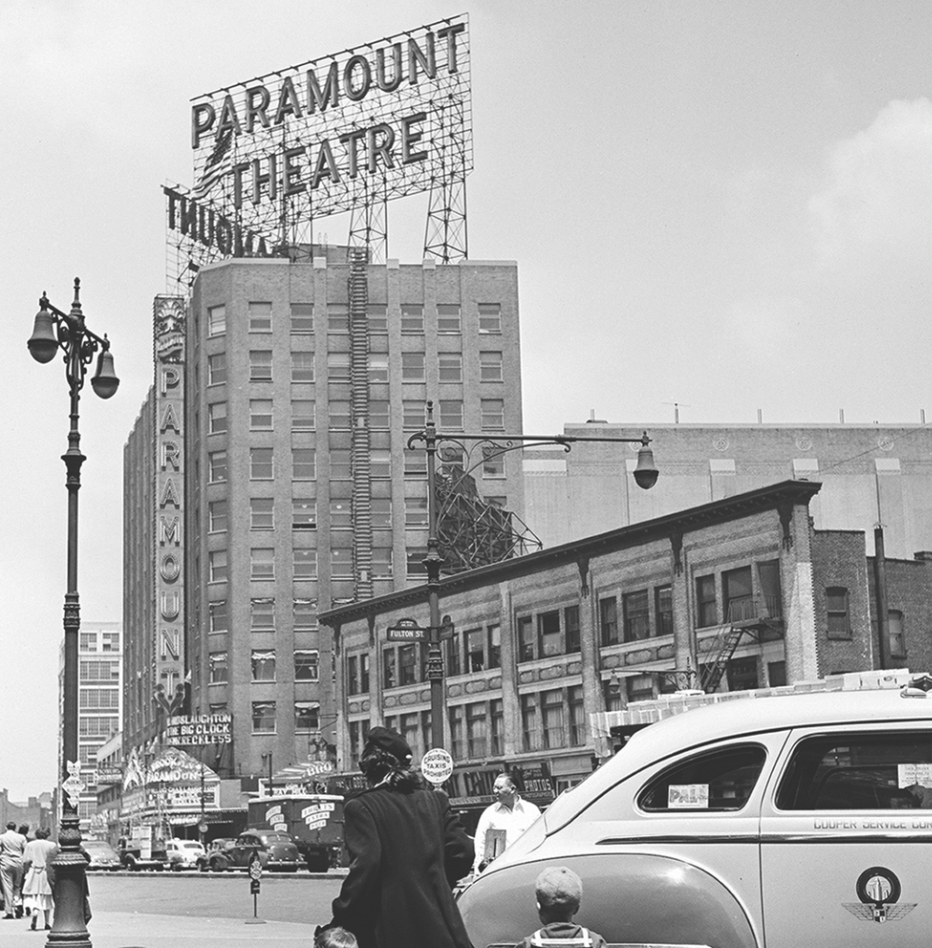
(869, 474)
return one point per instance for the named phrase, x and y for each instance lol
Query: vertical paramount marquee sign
(341, 133)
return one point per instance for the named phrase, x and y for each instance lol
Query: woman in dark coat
(408, 849)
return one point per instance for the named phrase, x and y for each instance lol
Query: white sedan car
(773, 822)
(183, 853)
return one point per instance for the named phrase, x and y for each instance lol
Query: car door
(845, 838)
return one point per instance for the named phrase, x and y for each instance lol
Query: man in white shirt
(509, 815)
(12, 845)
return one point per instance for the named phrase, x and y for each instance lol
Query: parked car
(207, 859)
(770, 822)
(277, 852)
(183, 853)
(101, 855)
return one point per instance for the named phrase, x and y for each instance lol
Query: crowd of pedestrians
(25, 874)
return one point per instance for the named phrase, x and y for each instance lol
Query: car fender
(632, 897)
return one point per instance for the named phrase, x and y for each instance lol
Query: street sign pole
(255, 877)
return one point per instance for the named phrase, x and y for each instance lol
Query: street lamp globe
(104, 382)
(645, 473)
(43, 344)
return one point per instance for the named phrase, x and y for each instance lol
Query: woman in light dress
(37, 889)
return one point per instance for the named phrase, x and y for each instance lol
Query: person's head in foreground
(386, 758)
(335, 937)
(559, 892)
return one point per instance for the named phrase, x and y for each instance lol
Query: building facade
(869, 474)
(737, 593)
(304, 382)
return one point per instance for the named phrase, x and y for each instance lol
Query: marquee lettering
(170, 567)
(171, 455)
(169, 496)
(169, 420)
(169, 531)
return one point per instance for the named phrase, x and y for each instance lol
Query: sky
(714, 203)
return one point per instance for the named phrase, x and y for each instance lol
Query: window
(415, 561)
(260, 317)
(262, 563)
(639, 687)
(306, 664)
(217, 466)
(455, 653)
(341, 564)
(571, 627)
(415, 511)
(448, 318)
(260, 365)
(608, 621)
(493, 463)
(302, 366)
(497, 727)
(577, 715)
(527, 639)
(260, 414)
(836, 606)
(737, 594)
(457, 739)
(377, 315)
(389, 676)
(382, 562)
(451, 367)
(490, 367)
(263, 664)
(216, 320)
(475, 650)
(302, 414)
(742, 674)
(412, 318)
(339, 414)
(637, 615)
(217, 516)
(551, 712)
(98, 670)
(663, 596)
(216, 368)
(352, 675)
(305, 564)
(490, 318)
(341, 465)
(261, 513)
(451, 417)
(412, 414)
(302, 318)
(713, 781)
(217, 566)
(548, 632)
(530, 723)
(379, 414)
(364, 672)
(378, 367)
(109, 641)
(407, 664)
(771, 596)
(776, 674)
(217, 418)
(495, 646)
(381, 512)
(380, 464)
(611, 694)
(261, 614)
(263, 717)
(896, 632)
(303, 464)
(306, 716)
(706, 605)
(305, 613)
(218, 616)
(260, 464)
(412, 367)
(415, 463)
(303, 514)
(341, 514)
(218, 668)
(337, 317)
(493, 414)
(476, 730)
(858, 771)
(338, 366)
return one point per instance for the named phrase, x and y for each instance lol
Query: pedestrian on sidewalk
(37, 889)
(12, 845)
(408, 849)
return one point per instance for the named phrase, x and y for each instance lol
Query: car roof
(744, 716)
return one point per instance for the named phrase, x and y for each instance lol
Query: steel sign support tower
(56, 330)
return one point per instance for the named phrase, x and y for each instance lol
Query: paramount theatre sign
(335, 134)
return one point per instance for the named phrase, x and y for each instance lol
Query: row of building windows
(304, 513)
(98, 642)
(264, 720)
(262, 614)
(301, 318)
(304, 563)
(96, 699)
(263, 665)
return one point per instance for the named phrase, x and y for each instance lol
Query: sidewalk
(129, 930)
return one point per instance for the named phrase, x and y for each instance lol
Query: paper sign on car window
(688, 796)
(909, 774)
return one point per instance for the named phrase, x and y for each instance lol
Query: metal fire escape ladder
(359, 415)
(724, 648)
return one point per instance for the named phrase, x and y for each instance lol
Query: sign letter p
(202, 119)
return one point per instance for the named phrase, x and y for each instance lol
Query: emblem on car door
(879, 890)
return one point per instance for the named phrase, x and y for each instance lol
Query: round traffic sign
(437, 766)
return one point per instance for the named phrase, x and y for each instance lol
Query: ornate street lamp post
(55, 330)
(645, 476)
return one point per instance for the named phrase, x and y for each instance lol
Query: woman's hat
(389, 740)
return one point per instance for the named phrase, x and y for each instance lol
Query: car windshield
(190, 845)
(277, 838)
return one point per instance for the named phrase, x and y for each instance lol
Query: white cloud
(877, 198)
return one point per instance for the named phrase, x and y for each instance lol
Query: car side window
(716, 780)
(859, 771)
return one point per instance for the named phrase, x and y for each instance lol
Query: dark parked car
(208, 860)
(277, 852)
(101, 855)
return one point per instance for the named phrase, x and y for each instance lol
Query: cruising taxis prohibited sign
(255, 876)
(437, 766)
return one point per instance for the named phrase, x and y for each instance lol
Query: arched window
(836, 607)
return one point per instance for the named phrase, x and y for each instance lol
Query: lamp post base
(69, 927)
